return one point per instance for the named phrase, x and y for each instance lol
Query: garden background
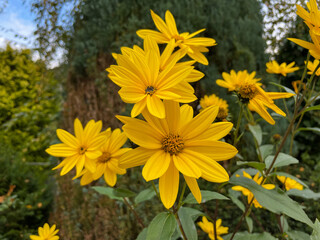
(63, 77)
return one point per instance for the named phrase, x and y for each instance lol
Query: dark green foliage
(29, 104)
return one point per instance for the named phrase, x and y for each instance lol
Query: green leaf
(257, 165)
(266, 150)
(316, 231)
(143, 234)
(161, 227)
(282, 160)
(313, 129)
(289, 176)
(297, 235)
(256, 132)
(233, 196)
(206, 196)
(187, 217)
(122, 192)
(274, 201)
(284, 223)
(107, 191)
(145, 195)
(305, 193)
(251, 236)
(249, 223)
(312, 108)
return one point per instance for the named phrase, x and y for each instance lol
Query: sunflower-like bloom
(312, 18)
(108, 162)
(208, 228)
(194, 46)
(290, 183)
(214, 100)
(46, 233)
(312, 67)
(248, 88)
(178, 143)
(143, 83)
(80, 150)
(248, 193)
(283, 68)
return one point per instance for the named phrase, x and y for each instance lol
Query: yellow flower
(248, 89)
(208, 228)
(290, 183)
(168, 30)
(143, 83)
(312, 66)
(283, 68)
(178, 143)
(213, 100)
(46, 233)
(312, 18)
(295, 85)
(248, 193)
(80, 150)
(108, 162)
(314, 47)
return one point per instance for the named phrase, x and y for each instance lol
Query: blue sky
(17, 18)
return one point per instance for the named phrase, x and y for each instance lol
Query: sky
(16, 18)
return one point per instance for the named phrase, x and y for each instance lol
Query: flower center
(178, 38)
(82, 150)
(248, 91)
(105, 157)
(172, 144)
(223, 113)
(150, 90)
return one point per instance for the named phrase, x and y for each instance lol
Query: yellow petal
(160, 125)
(172, 115)
(61, 150)
(131, 94)
(135, 157)
(194, 188)
(216, 131)
(171, 23)
(80, 164)
(70, 163)
(169, 185)
(186, 114)
(200, 123)
(78, 129)
(199, 57)
(110, 177)
(155, 106)
(67, 138)
(261, 110)
(160, 38)
(143, 134)
(160, 24)
(139, 107)
(156, 165)
(90, 165)
(186, 166)
(218, 151)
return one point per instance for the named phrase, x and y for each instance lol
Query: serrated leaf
(206, 196)
(313, 129)
(251, 236)
(187, 217)
(122, 192)
(297, 235)
(316, 231)
(145, 195)
(161, 227)
(256, 132)
(257, 165)
(143, 234)
(305, 193)
(282, 160)
(249, 223)
(274, 201)
(266, 150)
(107, 191)
(312, 108)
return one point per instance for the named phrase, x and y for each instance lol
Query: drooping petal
(80, 164)
(156, 107)
(169, 186)
(110, 177)
(90, 165)
(70, 163)
(194, 188)
(139, 107)
(156, 165)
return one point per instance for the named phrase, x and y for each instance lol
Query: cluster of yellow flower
(170, 139)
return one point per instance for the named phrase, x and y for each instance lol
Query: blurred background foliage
(87, 32)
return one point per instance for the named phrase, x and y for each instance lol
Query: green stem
(155, 189)
(181, 196)
(235, 140)
(179, 224)
(134, 212)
